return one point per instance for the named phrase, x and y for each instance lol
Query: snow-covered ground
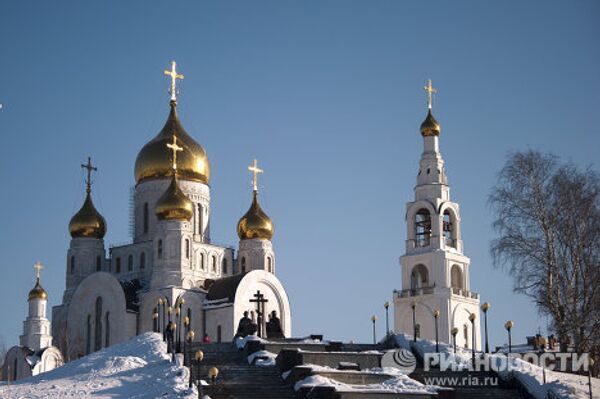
(136, 369)
(561, 385)
(398, 384)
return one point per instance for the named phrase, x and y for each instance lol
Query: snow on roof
(138, 368)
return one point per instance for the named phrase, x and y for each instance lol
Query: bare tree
(548, 222)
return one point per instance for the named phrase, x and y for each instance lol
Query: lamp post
(180, 302)
(472, 319)
(509, 325)
(186, 325)
(590, 365)
(454, 331)
(374, 319)
(213, 373)
(172, 328)
(387, 320)
(189, 339)
(436, 315)
(198, 356)
(161, 305)
(485, 308)
(413, 305)
(155, 326)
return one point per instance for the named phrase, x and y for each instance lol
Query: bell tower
(435, 271)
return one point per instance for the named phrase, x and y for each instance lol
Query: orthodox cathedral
(436, 289)
(171, 269)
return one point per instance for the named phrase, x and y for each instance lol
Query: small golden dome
(174, 204)
(87, 223)
(430, 126)
(255, 223)
(154, 162)
(38, 292)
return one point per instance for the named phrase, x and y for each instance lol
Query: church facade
(171, 270)
(436, 287)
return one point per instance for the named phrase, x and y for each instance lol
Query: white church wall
(220, 319)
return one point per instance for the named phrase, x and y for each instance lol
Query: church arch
(72, 264)
(159, 249)
(214, 263)
(98, 325)
(187, 249)
(107, 328)
(456, 277)
(269, 264)
(88, 339)
(224, 266)
(118, 267)
(145, 217)
(422, 228)
(419, 277)
(142, 261)
(130, 263)
(243, 264)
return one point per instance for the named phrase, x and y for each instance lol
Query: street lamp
(413, 305)
(213, 373)
(189, 339)
(374, 319)
(485, 308)
(436, 315)
(509, 325)
(387, 322)
(454, 331)
(472, 319)
(198, 356)
(172, 328)
(155, 324)
(161, 304)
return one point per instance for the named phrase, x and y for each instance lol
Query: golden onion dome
(430, 126)
(174, 204)
(88, 222)
(154, 162)
(37, 292)
(255, 223)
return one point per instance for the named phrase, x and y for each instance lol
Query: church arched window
(130, 263)
(202, 261)
(98, 263)
(456, 280)
(448, 229)
(72, 262)
(423, 228)
(98, 325)
(269, 264)
(159, 249)
(214, 263)
(244, 264)
(419, 277)
(118, 266)
(142, 261)
(224, 266)
(107, 334)
(187, 248)
(146, 214)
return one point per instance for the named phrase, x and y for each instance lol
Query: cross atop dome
(255, 171)
(90, 168)
(38, 268)
(174, 76)
(430, 92)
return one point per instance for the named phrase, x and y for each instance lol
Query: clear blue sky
(326, 94)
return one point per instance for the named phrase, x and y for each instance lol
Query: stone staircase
(237, 379)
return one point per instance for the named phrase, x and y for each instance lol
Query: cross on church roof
(430, 92)
(38, 267)
(174, 148)
(90, 168)
(174, 76)
(255, 171)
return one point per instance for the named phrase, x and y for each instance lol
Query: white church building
(171, 258)
(35, 353)
(434, 269)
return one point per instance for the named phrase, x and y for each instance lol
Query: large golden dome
(255, 223)
(88, 222)
(154, 162)
(430, 126)
(174, 204)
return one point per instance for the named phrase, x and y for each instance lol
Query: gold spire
(38, 292)
(430, 126)
(255, 171)
(174, 76)
(88, 222)
(255, 223)
(174, 204)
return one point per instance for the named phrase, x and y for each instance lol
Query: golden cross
(38, 266)
(90, 168)
(174, 76)
(255, 171)
(430, 92)
(175, 148)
